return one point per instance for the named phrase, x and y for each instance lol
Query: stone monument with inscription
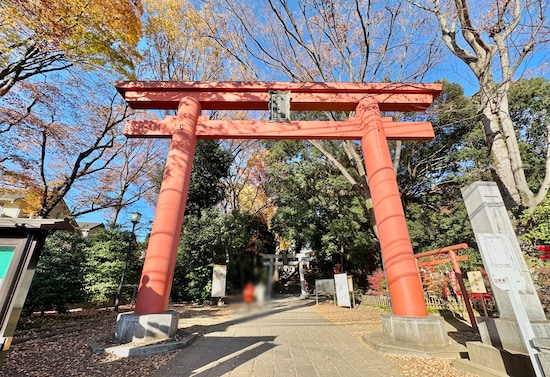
(505, 265)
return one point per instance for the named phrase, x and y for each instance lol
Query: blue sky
(451, 69)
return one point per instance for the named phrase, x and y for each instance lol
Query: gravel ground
(56, 345)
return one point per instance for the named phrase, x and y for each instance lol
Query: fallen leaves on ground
(56, 345)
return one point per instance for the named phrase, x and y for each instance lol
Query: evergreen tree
(210, 166)
(212, 237)
(59, 277)
(318, 210)
(105, 257)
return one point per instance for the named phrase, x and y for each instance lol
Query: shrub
(377, 283)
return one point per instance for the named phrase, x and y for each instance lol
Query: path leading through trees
(317, 338)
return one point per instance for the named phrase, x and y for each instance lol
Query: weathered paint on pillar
(404, 285)
(160, 260)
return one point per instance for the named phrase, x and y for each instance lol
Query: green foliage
(59, 277)
(432, 173)
(200, 247)
(208, 236)
(534, 227)
(216, 238)
(454, 158)
(105, 262)
(529, 110)
(210, 165)
(73, 270)
(318, 210)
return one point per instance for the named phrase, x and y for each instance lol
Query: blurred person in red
(248, 293)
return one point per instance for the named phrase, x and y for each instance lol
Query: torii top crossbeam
(166, 95)
(367, 125)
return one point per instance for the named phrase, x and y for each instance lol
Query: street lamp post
(136, 216)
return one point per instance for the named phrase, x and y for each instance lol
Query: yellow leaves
(253, 200)
(177, 20)
(106, 31)
(179, 46)
(30, 202)
(252, 197)
(284, 244)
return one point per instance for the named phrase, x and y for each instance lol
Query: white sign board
(219, 275)
(476, 282)
(342, 290)
(502, 267)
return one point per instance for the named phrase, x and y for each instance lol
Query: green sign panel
(6, 255)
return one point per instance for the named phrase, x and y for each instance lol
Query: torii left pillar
(151, 320)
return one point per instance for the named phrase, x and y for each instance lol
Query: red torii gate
(367, 100)
(453, 259)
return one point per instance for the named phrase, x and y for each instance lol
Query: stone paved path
(287, 338)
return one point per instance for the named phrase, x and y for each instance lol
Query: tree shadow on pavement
(216, 356)
(244, 313)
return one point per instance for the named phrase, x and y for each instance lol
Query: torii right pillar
(410, 322)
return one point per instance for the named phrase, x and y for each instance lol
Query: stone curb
(382, 344)
(464, 365)
(140, 349)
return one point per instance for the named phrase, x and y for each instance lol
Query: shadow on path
(464, 331)
(216, 356)
(245, 314)
(213, 355)
(284, 338)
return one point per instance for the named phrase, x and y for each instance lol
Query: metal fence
(432, 303)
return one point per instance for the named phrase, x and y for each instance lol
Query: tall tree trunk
(496, 46)
(503, 145)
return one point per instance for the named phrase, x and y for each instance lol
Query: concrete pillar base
(422, 331)
(486, 360)
(146, 328)
(505, 333)
(415, 336)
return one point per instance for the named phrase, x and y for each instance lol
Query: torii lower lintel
(350, 129)
(368, 126)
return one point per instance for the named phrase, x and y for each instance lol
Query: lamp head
(136, 216)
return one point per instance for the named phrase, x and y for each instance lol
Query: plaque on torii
(367, 125)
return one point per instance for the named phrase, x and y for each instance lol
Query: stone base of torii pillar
(415, 336)
(146, 328)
